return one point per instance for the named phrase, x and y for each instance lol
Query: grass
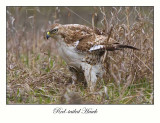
(37, 75)
(50, 83)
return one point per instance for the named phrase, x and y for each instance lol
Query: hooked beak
(48, 35)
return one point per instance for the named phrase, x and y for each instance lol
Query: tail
(117, 46)
(120, 46)
(114, 46)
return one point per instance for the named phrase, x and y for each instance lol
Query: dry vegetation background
(37, 75)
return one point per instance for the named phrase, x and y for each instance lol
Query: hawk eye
(54, 30)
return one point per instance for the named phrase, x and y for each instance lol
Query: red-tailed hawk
(83, 50)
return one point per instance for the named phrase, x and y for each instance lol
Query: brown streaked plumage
(82, 49)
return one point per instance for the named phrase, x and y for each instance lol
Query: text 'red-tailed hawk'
(83, 50)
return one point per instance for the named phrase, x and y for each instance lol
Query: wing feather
(97, 47)
(99, 44)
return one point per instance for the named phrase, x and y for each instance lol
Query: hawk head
(69, 32)
(54, 31)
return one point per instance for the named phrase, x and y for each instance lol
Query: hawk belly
(76, 59)
(70, 54)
